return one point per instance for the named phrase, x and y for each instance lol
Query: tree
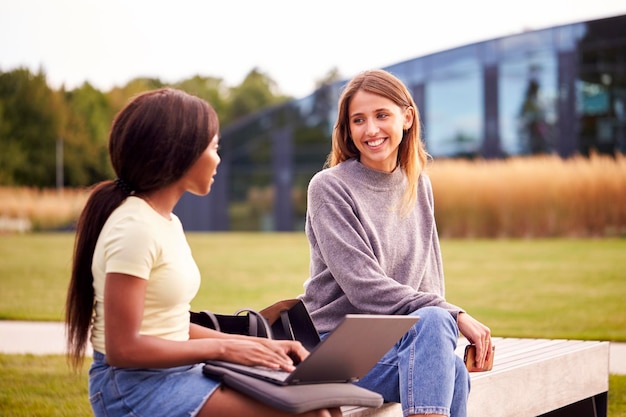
(85, 136)
(210, 89)
(31, 125)
(331, 76)
(257, 91)
(118, 97)
(34, 117)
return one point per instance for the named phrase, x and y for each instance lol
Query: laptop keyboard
(277, 374)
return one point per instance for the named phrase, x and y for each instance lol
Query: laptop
(345, 355)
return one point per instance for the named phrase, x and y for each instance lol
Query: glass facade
(453, 109)
(560, 90)
(527, 103)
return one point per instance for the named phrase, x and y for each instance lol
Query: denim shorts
(172, 392)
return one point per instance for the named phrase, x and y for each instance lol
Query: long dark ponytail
(153, 141)
(104, 198)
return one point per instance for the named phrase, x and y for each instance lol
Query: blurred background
(522, 106)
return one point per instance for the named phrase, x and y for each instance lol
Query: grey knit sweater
(366, 257)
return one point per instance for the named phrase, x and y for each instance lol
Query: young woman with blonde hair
(374, 248)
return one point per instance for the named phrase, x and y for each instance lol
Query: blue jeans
(422, 371)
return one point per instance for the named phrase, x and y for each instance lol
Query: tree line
(39, 123)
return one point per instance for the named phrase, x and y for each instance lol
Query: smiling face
(376, 128)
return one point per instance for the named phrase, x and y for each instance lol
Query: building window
(527, 103)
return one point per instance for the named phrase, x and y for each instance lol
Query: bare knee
(333, 412)
(226, 402)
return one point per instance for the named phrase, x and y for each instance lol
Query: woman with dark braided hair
(134, 276)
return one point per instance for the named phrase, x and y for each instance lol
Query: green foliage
(87, 125)
(212, 90)
(257, 91)
(31, 125)
(33, 117)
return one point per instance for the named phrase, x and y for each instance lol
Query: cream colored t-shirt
(137, 241)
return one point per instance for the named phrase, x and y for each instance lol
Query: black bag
(283, 320)
(296, 398)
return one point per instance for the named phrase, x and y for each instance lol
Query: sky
(295, 42)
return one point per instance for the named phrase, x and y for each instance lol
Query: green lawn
(40, 386)
(553, 288)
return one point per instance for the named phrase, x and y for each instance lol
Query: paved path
(42, 338)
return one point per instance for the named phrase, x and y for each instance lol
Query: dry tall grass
(24, 209)
(519, 197)
(531, 197)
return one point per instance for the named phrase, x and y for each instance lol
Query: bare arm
(294, 349)
(126, 347)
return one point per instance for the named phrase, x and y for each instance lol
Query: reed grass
(542, 196)
(24, 208)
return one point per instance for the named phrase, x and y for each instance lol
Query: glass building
(560, 90)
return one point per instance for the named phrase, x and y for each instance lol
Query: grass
(34, 272)
(617, 396)
(552, 288)
(41, 209)
(40, 386)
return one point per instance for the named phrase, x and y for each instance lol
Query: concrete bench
(532, 377)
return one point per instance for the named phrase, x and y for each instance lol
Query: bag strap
(254, 324)
(286, 322)
(211, 316)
